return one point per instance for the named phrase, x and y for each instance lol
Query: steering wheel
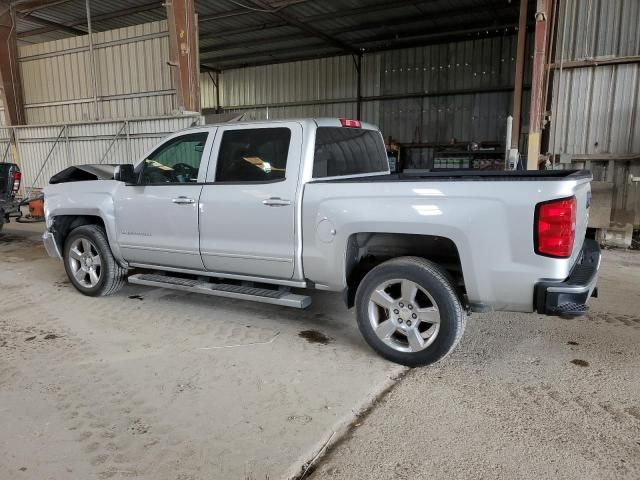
(187, 172)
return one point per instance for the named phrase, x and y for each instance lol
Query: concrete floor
(523, 397)
(163, 385)
(158, 384)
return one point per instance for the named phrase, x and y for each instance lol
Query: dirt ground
(161, 385)
(524, 397)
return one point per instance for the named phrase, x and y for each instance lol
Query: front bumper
(569, 298)
(51, 245)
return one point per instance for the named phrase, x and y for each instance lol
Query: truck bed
(468, 175)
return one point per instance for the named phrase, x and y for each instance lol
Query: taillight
(345, 122)
(555, 227)
(17, 177)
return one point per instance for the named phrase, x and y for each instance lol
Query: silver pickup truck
(257, 210)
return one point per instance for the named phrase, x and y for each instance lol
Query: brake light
(347, 123)
(17, 177)
(555, 227)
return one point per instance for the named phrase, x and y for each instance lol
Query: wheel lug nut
(401, 305)
(410, 307)
(399, 320)
(408, 323)
(396, 311)
(414, 316)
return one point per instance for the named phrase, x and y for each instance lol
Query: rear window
(348, 151)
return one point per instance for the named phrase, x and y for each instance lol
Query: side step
(264, 295)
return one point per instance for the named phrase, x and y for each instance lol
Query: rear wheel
(408, 311)
(89, 263)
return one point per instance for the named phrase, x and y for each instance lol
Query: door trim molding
(247, 257)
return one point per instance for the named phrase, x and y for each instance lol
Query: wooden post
(536, 117)
(519, 75)
(183, 43)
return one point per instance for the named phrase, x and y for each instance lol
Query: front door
(248, 206)
(158, 218)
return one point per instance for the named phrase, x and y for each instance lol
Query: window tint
(177, 161)
(253, 155)
(348, 151)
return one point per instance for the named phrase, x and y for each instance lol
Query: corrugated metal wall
(597, 108)
(57, 147)
(133, 78)
(432, 94)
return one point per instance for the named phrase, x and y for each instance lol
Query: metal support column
(358, 62)
(92, 59)
(536, 116)
(10, 81)
(183, 42)
(519, 75)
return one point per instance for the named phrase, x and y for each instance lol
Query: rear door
(158, 218)
(248, 207)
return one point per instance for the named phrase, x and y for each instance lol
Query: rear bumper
(50, 245)
(569, 298)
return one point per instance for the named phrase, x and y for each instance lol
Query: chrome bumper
(50, 245)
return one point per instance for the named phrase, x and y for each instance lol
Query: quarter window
(177, 161)
(253, 155)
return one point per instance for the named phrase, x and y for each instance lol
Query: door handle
(276, 202)
(183, 201)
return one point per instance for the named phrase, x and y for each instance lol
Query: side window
(253, 155)
(177, 161)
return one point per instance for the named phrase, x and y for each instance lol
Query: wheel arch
(366, 250)
(62, 225)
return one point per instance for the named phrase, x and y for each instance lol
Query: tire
(108, 276)
(434, 319)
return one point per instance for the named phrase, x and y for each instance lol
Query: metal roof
(236, 33)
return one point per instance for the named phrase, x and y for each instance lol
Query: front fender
(92, 199)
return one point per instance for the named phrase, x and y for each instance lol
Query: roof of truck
(317, 121)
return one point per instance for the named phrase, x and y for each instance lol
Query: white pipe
(508, 141)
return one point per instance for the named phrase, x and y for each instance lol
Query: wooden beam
(183, 44)
(536, 116)
(10, 81)
(519, 75)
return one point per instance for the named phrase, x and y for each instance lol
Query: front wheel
(408, 311)
(90, 264)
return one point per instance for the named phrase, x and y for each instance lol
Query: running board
(241, 292)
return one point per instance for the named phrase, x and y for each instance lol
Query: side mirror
(126, 174)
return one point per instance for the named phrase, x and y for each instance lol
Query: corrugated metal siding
(458, 76)
(598, 111)
(597, 108)
(598, 28)
(96, 142)
(134, 79)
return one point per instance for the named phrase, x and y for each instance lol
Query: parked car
(10, 178)
(253, 210)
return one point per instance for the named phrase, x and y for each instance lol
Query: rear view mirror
(126, 174)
